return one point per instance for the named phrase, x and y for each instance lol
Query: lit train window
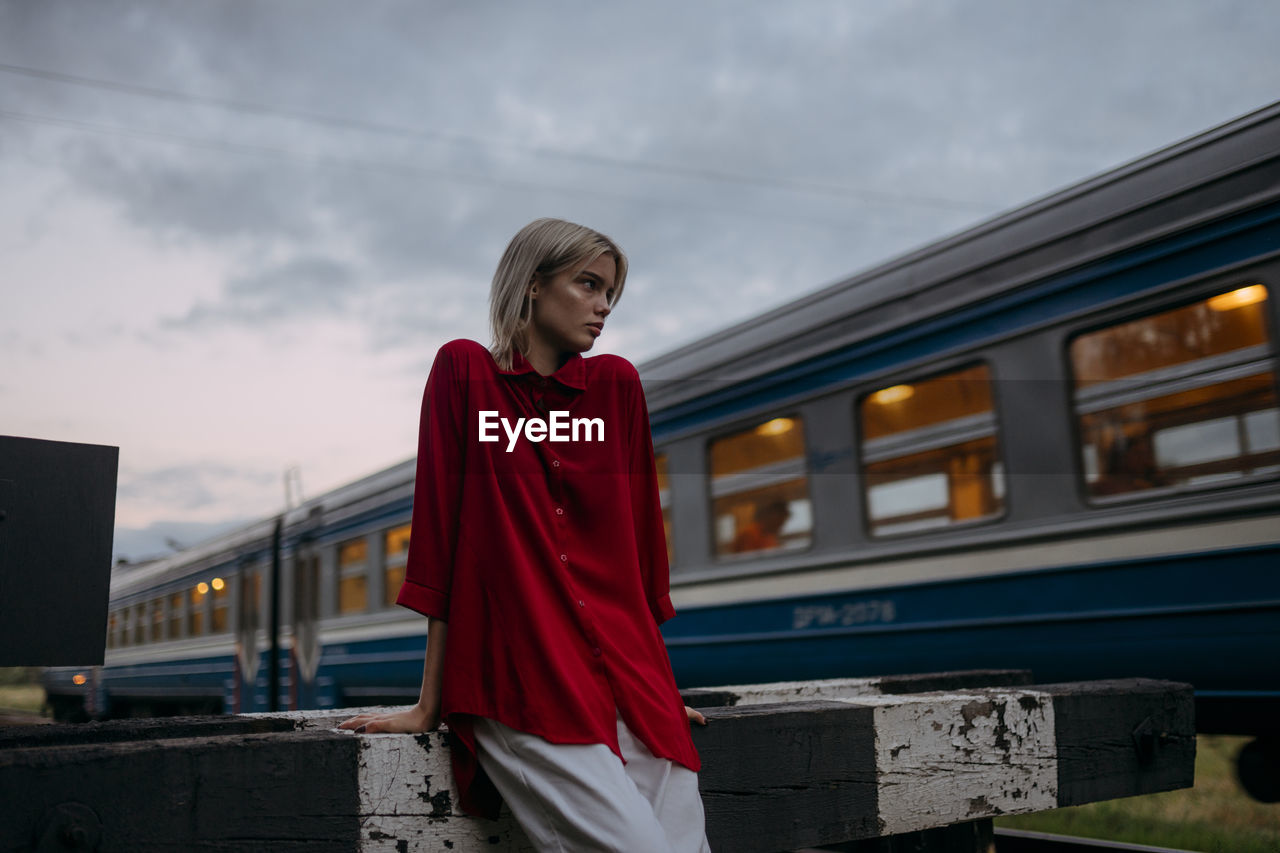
(353, 585)
(219, 621)
(929, 453)
(175, 616)
(195, 615)
(760, 490)
(123, 638)
(157, 620)
(1180, 398)
(139, 624)
(112, 621)
(397, 550)
(664, 497)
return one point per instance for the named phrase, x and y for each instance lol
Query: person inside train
(764, 529)
(542, 569)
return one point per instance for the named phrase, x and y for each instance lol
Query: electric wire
(227, 146)
(678, 170)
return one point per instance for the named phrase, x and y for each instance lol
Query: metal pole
(273, 702)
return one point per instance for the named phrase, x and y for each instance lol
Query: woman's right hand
(412, 719)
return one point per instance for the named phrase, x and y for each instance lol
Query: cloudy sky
(233, 233)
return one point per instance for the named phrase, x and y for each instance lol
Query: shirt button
(582, 603)
(564, 558)
(596, 652)
(559, 511)
(555, 463)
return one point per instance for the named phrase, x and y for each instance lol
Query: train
(1048, 442)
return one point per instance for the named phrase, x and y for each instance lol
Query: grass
(21, 697)
(20, 689)
(1216, 816)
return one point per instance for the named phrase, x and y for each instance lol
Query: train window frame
(1148, 305)
(737, 427)
(912, 375)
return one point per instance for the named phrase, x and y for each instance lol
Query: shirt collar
(572, 374)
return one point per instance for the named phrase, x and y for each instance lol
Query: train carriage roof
(1212, 174)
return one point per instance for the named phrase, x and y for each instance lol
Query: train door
(249, 694)
(304, 652)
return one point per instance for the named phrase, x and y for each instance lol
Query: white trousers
(580, 797)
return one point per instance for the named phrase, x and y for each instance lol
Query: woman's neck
(546, 359)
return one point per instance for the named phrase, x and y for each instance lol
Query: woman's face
(569, 309)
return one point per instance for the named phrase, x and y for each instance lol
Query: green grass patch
(1216, 816)
(22, 697)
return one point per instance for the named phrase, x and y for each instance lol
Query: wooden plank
(1122, 737)
(775, 776)
(852, 688)
(109, 731)
(257, 793)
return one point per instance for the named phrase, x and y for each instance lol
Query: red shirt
(547, 558)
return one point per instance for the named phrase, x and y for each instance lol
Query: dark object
(57, 511)
(1259, 769)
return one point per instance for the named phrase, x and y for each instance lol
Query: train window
(760, 490)
(175, 616)
(157, 620)
(112, 621)
(195, 615)
(397, 550)
(929, 453)
(1179, 398)
(353, 585)
(139, 624)
(219, 621)
(664, 497)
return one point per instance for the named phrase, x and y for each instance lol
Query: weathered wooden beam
(852, 688)
(775, 777)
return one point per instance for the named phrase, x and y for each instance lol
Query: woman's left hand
(695, 716)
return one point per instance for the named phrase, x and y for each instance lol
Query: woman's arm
(424, 716)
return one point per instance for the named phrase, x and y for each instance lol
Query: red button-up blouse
(547, 558)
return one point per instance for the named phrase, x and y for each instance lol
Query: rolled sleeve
(646, 506)
(437, 491)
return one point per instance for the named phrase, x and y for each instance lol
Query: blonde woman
(537, 551)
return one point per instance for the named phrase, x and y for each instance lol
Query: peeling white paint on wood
(408, 802)
(946, 758)
(801, 691)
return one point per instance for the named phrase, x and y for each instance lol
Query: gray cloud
(159, 538)
(301, 287)
(188, 487)
(918, 119)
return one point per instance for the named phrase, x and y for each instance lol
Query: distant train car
(1049, 442)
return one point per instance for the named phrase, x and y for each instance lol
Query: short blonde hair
(542, 249)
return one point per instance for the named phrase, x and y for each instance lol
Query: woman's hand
(412, 719)
(695, 716)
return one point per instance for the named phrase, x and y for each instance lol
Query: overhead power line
(673, 169)
(228, 146)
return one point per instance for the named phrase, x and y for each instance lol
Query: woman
(537, 548)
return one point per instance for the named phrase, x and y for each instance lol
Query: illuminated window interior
(929, 454)
(1185, 397)
(760, 489)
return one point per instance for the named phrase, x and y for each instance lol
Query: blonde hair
(542, 249)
